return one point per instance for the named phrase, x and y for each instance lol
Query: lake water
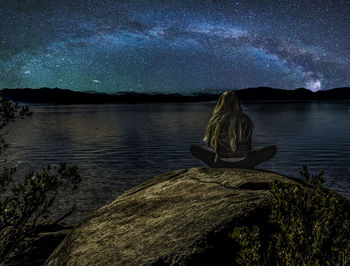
(119, 146)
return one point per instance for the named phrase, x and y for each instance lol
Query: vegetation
(26, 203)
(308, 225)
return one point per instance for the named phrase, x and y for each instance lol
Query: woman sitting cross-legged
(229, 134)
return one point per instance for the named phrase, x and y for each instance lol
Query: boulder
(180, 217)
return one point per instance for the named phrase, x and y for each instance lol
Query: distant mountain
(47, 95)
(60, 96)
(266, 93)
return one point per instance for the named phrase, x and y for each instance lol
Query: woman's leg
(253, 158)
(208, 157)
(205, 155)
(256, 157)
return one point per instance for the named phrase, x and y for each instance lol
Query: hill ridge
(66, 96)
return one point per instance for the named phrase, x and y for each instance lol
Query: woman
(229, 134)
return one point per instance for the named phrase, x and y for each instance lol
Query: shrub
(309, 225)
(26, 203)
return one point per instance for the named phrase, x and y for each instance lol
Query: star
(181, 46)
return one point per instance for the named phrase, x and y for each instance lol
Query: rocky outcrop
(181, 217)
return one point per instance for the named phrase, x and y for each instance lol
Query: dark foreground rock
(181, 217)
(42, 245)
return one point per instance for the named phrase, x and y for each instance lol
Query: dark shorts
(252, 159)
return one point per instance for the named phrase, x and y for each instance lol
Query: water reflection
(119, 146)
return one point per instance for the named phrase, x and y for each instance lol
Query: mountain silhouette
(64, 96)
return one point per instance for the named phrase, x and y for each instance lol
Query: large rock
(181, 217)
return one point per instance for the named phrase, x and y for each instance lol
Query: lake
(118, 146)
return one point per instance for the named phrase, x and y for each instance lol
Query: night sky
(174, 46)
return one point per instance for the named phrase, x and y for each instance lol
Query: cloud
(313, 81)
(313, 84)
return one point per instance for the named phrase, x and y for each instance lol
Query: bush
(26, 203)
(309, 225)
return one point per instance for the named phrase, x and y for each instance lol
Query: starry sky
(174, 46)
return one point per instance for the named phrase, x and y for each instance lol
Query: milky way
(174, 46)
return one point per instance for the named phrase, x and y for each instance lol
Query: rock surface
(181, 217)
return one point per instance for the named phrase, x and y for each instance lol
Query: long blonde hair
(228, 112)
